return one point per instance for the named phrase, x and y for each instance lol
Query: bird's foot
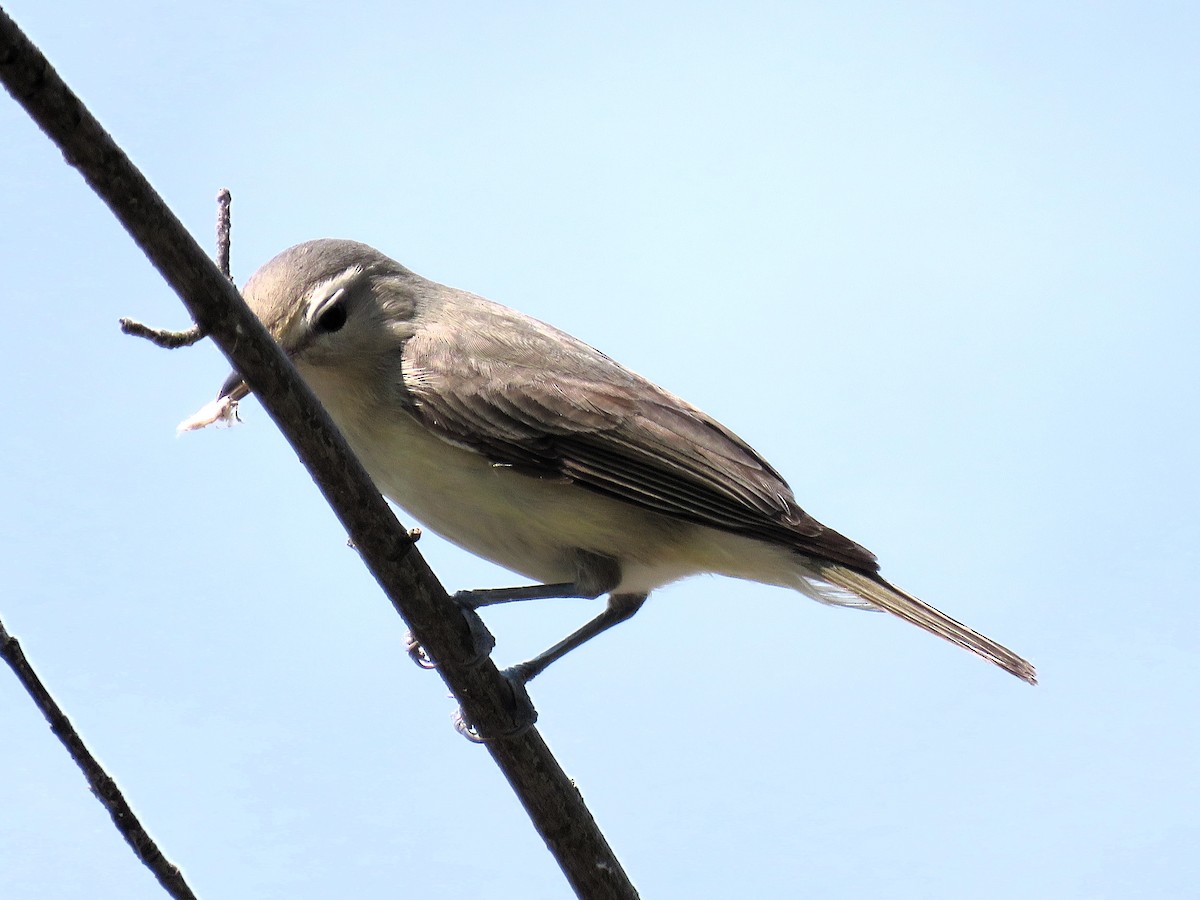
(522, 716)
(418, 653)
(482, 642)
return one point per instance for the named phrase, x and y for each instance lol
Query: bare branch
(224, 229)
(101, 783)
(169, 339)
(486, 698)
(173, 340)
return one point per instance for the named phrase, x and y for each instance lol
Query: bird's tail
(879, 593)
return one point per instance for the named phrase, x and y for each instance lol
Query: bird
(529, 448)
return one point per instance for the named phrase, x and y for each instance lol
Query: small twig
(172, 340)
(161, 337)
(224, 227)
(101, 783)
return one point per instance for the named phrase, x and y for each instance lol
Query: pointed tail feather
(888, 597)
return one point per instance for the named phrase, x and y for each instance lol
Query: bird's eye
(331, 318)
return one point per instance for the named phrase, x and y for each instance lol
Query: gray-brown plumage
(530, 448)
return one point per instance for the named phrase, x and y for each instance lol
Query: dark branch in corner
(104, 788)
(486, 698)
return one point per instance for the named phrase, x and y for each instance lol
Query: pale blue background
(937, 261)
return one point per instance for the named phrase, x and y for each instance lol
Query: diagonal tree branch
(486, 698)
(102, 785)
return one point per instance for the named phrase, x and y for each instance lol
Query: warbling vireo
(529, 448)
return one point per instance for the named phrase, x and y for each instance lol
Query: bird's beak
(222, 410)
(234, 388)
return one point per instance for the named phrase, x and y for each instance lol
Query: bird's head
(337, 308)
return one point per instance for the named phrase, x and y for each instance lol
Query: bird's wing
(526, 395)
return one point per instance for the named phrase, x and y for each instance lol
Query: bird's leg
(620, 607)
(475, 599)
(595, 574)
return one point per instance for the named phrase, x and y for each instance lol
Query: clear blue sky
(937, 261)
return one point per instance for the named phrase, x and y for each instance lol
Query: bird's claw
(522, 712)
(482, 642)
(417, 652)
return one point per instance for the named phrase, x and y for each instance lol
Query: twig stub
(224, 229)
(160, 336)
